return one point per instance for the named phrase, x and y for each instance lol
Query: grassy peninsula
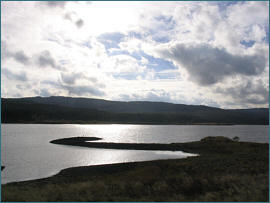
(225, 171)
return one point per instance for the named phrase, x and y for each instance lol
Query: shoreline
(81, 142)
(223, 166)
(115, 123)
(87, 142)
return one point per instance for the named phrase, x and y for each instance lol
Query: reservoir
(27, 154)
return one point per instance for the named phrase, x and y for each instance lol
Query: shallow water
(27, 153)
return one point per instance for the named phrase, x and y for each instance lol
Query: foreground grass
(225, 171)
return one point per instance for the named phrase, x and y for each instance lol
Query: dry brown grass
(225, 172)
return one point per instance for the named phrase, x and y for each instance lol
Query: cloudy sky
(199, 53)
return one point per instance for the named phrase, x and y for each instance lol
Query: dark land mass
(83, 110)
(225, 171)
(193, 147)
(74, 140)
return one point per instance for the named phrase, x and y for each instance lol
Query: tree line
(14, 112)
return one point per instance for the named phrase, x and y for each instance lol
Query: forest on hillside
(26, 111)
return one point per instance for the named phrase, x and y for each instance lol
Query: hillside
(84, 110)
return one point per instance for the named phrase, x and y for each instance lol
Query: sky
(183, 52)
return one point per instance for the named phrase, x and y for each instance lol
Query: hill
(85, 110)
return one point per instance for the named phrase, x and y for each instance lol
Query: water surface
(27, 153)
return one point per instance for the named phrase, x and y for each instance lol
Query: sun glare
(103, 17)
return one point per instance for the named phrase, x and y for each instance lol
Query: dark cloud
(50, 82)
(22, 87)
(73, 17)
(250, 92)
(14, 76)
(207, 65)
(69, 15)
(21, 57)
(83, 90)
(73, 90)
(60, 4)
(45, 59)
(4, 51)
(79, 23)
(71, 78)
(124, 97)
(43, 92)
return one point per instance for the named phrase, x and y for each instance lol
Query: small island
(225, 170)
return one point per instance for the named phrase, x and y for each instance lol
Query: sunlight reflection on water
(27, 153)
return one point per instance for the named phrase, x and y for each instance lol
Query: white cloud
(124, 64)
(144, 61)
(247, 13)
(204, 21)
(130, 45)
(256, 34)
(182, 52)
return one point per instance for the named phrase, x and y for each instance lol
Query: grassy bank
(224, 171)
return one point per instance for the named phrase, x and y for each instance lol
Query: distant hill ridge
(114, 106)
(146, 110)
